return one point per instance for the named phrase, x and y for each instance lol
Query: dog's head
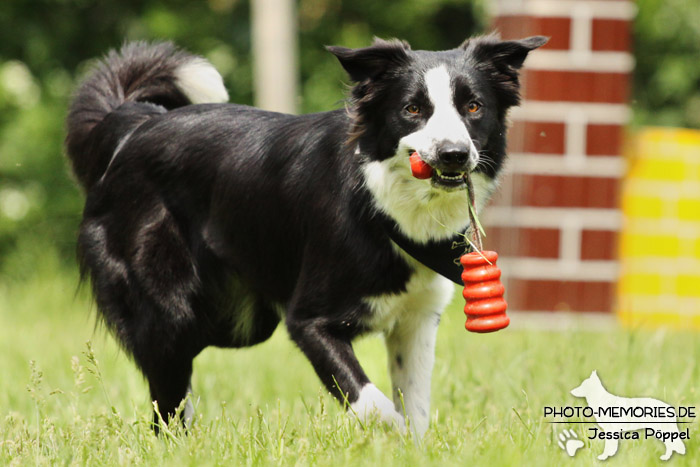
(588, 386)
(448, 106)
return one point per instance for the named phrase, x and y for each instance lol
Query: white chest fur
(426, 293)
(422, 212)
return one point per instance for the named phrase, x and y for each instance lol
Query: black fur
(214, 221)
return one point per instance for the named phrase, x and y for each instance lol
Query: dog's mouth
(444, 179)
(448, 177)
(448, 180)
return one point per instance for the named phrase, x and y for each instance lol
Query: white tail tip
(200, 82)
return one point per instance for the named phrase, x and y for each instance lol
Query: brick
(565, 192)
(512, 26)
(576, 86)
(503, 196)
(518, 26)
(524, 242)
(611, 35)
(549, 295)
(537, 137)
(598, 245)
(500, 198)
(604, 140)
(558, 30)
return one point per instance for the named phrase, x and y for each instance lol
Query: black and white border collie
(207, 223)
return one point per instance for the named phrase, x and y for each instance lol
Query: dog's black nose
(453, 155)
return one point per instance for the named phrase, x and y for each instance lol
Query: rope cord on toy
(476, 228)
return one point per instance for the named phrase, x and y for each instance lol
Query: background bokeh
(47, 44)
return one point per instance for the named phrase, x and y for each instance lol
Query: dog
(608, 413)
(207, 223)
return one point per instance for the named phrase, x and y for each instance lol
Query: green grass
(63, 401)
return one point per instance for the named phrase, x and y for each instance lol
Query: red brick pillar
(556, 219)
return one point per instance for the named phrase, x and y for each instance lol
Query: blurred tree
(667, 51)
(425, 24)
(48, 44)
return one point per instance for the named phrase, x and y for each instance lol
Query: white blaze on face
(424, 212)
(445, 125)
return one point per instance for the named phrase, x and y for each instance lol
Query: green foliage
(667, 75)
(425, 24)
(47, 46)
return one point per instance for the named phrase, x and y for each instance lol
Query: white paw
(373, 401)
(569, 442)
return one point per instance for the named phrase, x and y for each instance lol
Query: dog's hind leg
(144, 292)
(169, 384)
(164, 351)
(165, 334)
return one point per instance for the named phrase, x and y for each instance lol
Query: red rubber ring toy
(483, 291)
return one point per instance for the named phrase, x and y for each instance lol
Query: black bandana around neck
(440, 256)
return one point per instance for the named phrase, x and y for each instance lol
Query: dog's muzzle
(453, 160)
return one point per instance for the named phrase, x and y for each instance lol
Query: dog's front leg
(411, 353)
(411, 348)
(328, 346)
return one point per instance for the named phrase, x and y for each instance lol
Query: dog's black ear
(501, 61)
(503, 54)
(370, 62)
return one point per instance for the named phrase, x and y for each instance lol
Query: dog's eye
(412, 109)
(473, 107)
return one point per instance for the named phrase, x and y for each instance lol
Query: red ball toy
(419, 168)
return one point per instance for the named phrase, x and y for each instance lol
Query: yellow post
(660, 240)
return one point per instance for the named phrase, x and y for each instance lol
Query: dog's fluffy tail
(127, 88)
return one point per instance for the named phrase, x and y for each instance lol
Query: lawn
(68, 395)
